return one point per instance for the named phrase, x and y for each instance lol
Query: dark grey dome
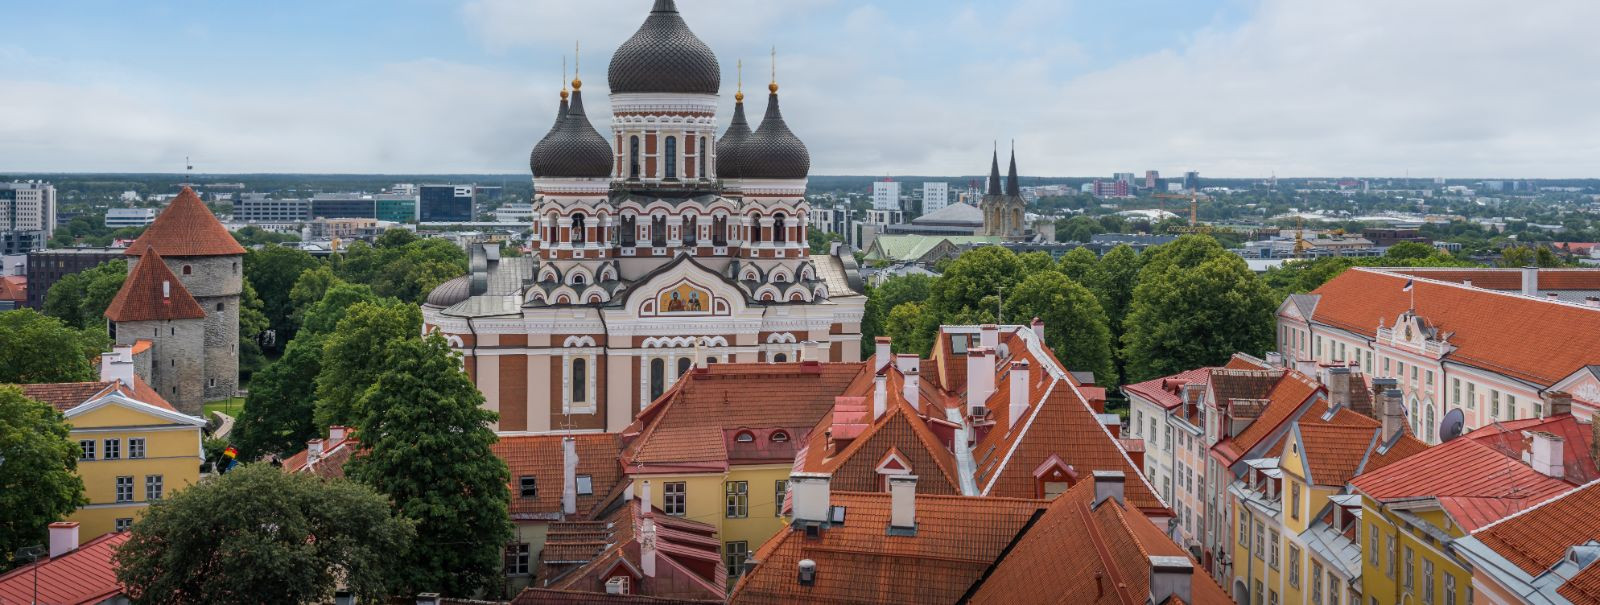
(561, 114)
(772, 152)
(451, 292)
(664, 56)
(732, 139)
(573, 149)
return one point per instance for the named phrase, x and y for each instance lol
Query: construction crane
(1194, 198)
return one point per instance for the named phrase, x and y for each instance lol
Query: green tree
(277, 416)
(426, 445)
(80, 299)
(1410, 250)
(323, 317)
(1075, 325)
(1120, 267)
(354, 354)
(973, 281)
(308, 289)
(908, 326)
(38, 482)
(35, 348)
(820, 241)
(255, 236)
(401, 265)
(1082, 266)
(882, 299)
(273, 271)
(1187, 251)
(253, 326)
(258, 535)
(1183, 318)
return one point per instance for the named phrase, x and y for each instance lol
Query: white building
(28, 206)
(935, 196)
(129, 196)
(117, 218)
(886, 195)
(514, 213)
(403, 189)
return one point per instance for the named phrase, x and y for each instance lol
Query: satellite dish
(1451, 427)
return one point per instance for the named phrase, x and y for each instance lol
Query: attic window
(745, 437)
(528, 487)
(187, 270)
(585, 485)
(780, 437)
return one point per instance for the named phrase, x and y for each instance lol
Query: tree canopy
(1184, 316)
(277, 415)
(259, 535)
(353, 356)
(401, 265)
(35, 348)
(80, 299)
(38, 479)
(1074, 324)
(273, 270)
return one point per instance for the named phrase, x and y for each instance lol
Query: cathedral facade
(1004, 213)
(659, 248)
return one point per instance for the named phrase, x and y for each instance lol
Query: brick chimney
(1530, 281)
(980, 379)
(902, 505)
(1546, 452)
(1171, 578)
(810, 495)
(63, 538)
(1557, 403)
(880, 395)
(1020, 395)
(1109, 484)
(569, 476)
(1338, 383)
(883, 353)
(989, 336)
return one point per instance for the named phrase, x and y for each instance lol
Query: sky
(1231, 88)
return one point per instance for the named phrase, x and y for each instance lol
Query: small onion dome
(573, 149)
(732, 139)
(561, 114)
(664, 56)
(451, 292)
(772, 152)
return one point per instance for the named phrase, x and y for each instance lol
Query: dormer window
(780, 437)
(745, 437)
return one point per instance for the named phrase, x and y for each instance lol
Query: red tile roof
(546, 596)
(64, 396)
(956, 539)
(186, 228)
(152, 292)
(853, 463)
(540, 457)
(1167, 391)
(1287, 393)
(330, 465)
(1347, 444)
(1538, 538)
(1508, 279)
(1081, 553)
(583, 555)
(1525, 338)
(82, 576)
(14, 288)
(1576, 439)
(1475, 483)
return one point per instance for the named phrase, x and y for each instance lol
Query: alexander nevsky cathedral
(673, 243)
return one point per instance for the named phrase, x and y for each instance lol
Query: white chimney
(1546, 453)
(647, 546)
(117, 366)
(63, 538)
(337, 433)
(1038, 329)
(906, 362)
(314, 450)
(912, 386)
(1592, 301)
(644, 498)
(1530, 281)
(1171, 577)
(880, 396)
(989, 336)
(980, 378)
(166, 288)
(808, 572)
(1020, 397)
(1338, 383)
(1108, 484)
(902, 504)
(882, 354)
(810, 494)
(569, 476)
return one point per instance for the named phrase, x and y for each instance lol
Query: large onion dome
(451, 292)
(732, 139)
(664, 56)
(573, 149)
(772, 151)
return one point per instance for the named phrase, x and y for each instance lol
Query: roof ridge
(1519, 513)
(160, 294)
(187, 228)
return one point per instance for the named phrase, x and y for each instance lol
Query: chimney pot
(1530, 281)
(1109, 484)
(808, 572)
(1020, 395)
(883, 354)
(1171, 577)
(980, 377)
(809, 492)
(1546, 455)
(1038, 329)
(63, 538)
(903, 504)
(989, 336)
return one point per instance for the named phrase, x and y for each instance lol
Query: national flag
(1408, 286)
(230, 457)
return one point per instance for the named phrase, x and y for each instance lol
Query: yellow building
(135, 448)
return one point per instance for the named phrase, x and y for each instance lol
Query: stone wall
(176, 366)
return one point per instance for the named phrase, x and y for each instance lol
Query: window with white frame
(136, 447)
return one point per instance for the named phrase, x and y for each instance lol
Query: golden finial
(577, 65)
(774, 85)
(739, 96)
(563, 77)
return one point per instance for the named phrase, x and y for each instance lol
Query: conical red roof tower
(187, 228)
(153, 292)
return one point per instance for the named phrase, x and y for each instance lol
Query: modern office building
(117, 218)
(514, 213)
(1123, 177)
(27, 216)
(1152, 179)
(343, 205)
(886, 195)
(935, 196)
(396, 208)
(260, 210)
(46, 267)
(447, 203)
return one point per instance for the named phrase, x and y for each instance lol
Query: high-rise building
(117, 218)
(935, 196)
(886, 195)
(27, 216)
(1191, 180)
(1152, 179)
(1123, 177)
(1116, 188)
(46, 267)
(343, 205)
(398, 208)
(257, 209)
(446, 203)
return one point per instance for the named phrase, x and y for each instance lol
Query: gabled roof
(548, 596)
(1078, 552)
(83, 576)
(853, 466)
(1473, 482)
(1166, 391)
(956, 539)
(152, 292)
(1538, 538)
(1347, 444)
(65, 396)
(541, 457)
(186, 228)
(1288, 395)
(582, 555)
(1529, 339)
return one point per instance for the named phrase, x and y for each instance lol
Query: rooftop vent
(808, 572)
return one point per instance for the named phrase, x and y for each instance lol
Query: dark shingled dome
(772, 151)
(451, 292)
(664, 56)
(728, 146)
(573, 149)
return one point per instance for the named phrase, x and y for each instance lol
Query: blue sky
(1227, 87)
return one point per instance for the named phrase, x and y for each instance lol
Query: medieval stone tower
(181, 313)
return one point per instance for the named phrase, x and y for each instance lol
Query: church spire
(994, 171)
(1013, 188)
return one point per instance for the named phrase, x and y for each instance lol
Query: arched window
(633, 157)
(577, 279)
(755, 228)
(778, 234)
(780, 437)
(577, 229)
(187, 270)
(745, 437)
(1429, 420)
(683, 365)
(703, 154)
(672, 157)
(658, 231)
(580, 380)
(780, 358)
(658, 377)
(719, 230)
(630, 231)
(691, 230)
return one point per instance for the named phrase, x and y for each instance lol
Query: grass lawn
(231, 407)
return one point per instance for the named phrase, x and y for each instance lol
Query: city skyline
(1229, 88)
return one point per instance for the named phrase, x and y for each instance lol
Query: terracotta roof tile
(14, 287)
(1166, 391)
(1529, 339)
(580, 555)
(152, 292)
(1584, 587)
(1508, 279)
(1335, 452)
(1474, 482)
(540, 457)
(1285, 398)
(957, 538)
(85, 575)
(186, 228)
(1538, 538)
(1576, 440)
(67, 395)
(547, 596)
